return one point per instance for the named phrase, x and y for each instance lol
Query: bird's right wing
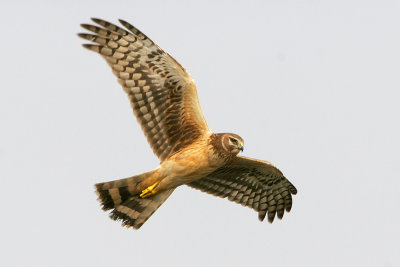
(162, 94)
(252, 183)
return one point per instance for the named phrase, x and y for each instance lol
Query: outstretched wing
(162, 94)
(252, 183)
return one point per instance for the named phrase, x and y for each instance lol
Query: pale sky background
(311, 86)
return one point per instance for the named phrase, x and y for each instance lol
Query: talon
(149, 190)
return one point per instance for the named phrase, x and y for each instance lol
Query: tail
(122, 197)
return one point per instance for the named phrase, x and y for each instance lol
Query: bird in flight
(164, 100)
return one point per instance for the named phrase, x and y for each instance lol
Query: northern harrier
(164, 99)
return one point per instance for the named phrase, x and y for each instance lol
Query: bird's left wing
(252, 183)
(162, 93)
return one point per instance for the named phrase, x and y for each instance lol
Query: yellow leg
(149, 190)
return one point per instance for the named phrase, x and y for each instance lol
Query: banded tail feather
(122, 198)
(136, 210)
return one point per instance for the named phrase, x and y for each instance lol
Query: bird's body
(187, 165)
(165, 102)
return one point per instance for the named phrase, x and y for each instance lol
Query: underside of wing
(162, 94)
(252, 183)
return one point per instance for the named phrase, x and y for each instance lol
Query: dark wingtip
(121, 20)
(86, 36)
(280, 214)
(288, 208)
(271, 217)
(92, 47)
(261, 216)
(127, 25)
(85, 25)
(87, 46)
(96, 20)
(293, 190)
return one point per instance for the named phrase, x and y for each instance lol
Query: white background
(312, 86)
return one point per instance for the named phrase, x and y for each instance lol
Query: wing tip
(92, 47)
(261, 215)
(129, 26)
(86, 36)
(101, 22)
(96, 20)
(122, 21)
(271, 217)
(293, 190)
(288, 208)
(86, 26)
(125, 23)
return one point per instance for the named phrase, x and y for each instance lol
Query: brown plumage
(165, 102)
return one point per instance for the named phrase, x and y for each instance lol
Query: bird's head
(232, 143)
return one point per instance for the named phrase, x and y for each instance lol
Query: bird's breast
(192, 163)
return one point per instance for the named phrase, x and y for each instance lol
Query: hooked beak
(241, 147)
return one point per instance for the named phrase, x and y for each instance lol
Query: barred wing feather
(162, 94)
(252, 183)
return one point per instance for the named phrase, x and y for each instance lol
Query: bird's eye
(233, 140)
